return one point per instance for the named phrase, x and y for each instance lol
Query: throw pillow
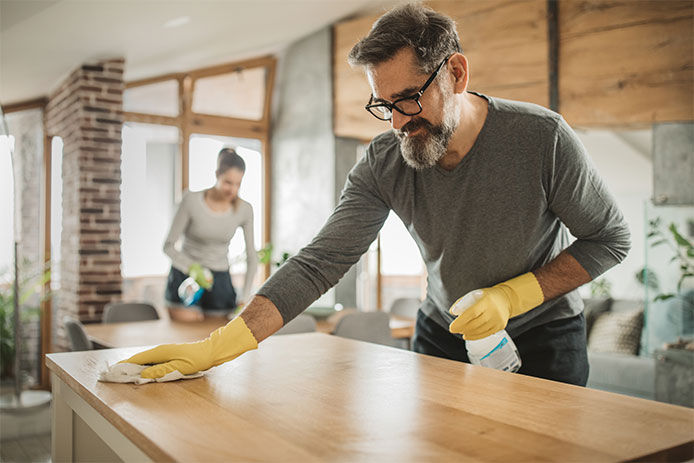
(593, 308)
(617, 332)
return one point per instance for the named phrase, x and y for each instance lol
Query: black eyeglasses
(409, 105)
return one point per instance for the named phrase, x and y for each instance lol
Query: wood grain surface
(314, 397)
(142, 333)
(165, 331)
(626, 63)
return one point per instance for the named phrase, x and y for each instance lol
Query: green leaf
(681, 240)
(663, 297)
(265, 254)
(659, 242)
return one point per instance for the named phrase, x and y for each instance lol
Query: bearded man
(486, 187)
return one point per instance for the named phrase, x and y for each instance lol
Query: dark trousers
(555, 350)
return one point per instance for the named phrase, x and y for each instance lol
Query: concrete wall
(303, 145)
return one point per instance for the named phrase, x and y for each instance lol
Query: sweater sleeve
(348, 233)
(251, 256)
(178, 226)
(579, 197)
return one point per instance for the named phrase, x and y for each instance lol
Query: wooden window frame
(189, 122)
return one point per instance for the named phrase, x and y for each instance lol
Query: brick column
(87, 112)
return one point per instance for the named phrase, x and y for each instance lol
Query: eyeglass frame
(416, 96)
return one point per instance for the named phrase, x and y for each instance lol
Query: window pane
(6, 207)
(148, 192)
(239, 94)
(56, 208)
(160, 99)
(402, 268)
(201, 168)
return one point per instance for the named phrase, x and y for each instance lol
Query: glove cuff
(524, 293)
(231, 340)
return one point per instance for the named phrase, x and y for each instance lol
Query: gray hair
(430, 35)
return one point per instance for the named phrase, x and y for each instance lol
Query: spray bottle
(497, 350)
(200, 279)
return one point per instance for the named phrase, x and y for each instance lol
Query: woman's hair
(228, 159)
(430, 35)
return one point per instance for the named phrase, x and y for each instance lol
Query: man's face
(423, 137)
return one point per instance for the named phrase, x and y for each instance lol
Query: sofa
(624, 343)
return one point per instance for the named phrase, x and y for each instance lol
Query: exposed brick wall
(87, 112)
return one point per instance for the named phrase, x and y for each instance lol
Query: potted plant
(31, 287)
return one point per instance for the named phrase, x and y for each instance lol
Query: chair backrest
(405, 307)
(76, 336)
(365, 326)
(116, 312)
(303, 323)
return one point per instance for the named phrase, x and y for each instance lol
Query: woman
(208, 220)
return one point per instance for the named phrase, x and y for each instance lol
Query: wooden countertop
(314, 397)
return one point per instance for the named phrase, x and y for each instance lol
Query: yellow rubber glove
(202, 276)
(224, 344)
(497, 304)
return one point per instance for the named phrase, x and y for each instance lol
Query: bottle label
(503, 357)
(498, 346)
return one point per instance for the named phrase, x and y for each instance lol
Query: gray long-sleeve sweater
(206, 236)
(501, 212)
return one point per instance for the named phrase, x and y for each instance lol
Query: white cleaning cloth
(130, 373)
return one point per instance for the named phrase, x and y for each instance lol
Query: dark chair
(366, 326)
(117, 312)
(301, 324)
(76, 336)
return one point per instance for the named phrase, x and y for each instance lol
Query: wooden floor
(34, 449)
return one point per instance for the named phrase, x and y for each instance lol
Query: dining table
(165, 330)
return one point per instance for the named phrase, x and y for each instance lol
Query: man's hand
(224, 344)
(497, 305)
(201, 275)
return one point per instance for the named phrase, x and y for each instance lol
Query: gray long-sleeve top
(206, 236)
(499, 213)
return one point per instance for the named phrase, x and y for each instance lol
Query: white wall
(623, 160)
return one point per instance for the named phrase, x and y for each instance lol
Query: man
(484, 185)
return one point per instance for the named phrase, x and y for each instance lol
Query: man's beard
(425, 149)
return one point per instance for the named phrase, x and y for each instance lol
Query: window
(6, 204)
(56, 209)
(402, 268)
(239, 94)
(201, 168)
(148, 197)
(159, 98)
(163, 155)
